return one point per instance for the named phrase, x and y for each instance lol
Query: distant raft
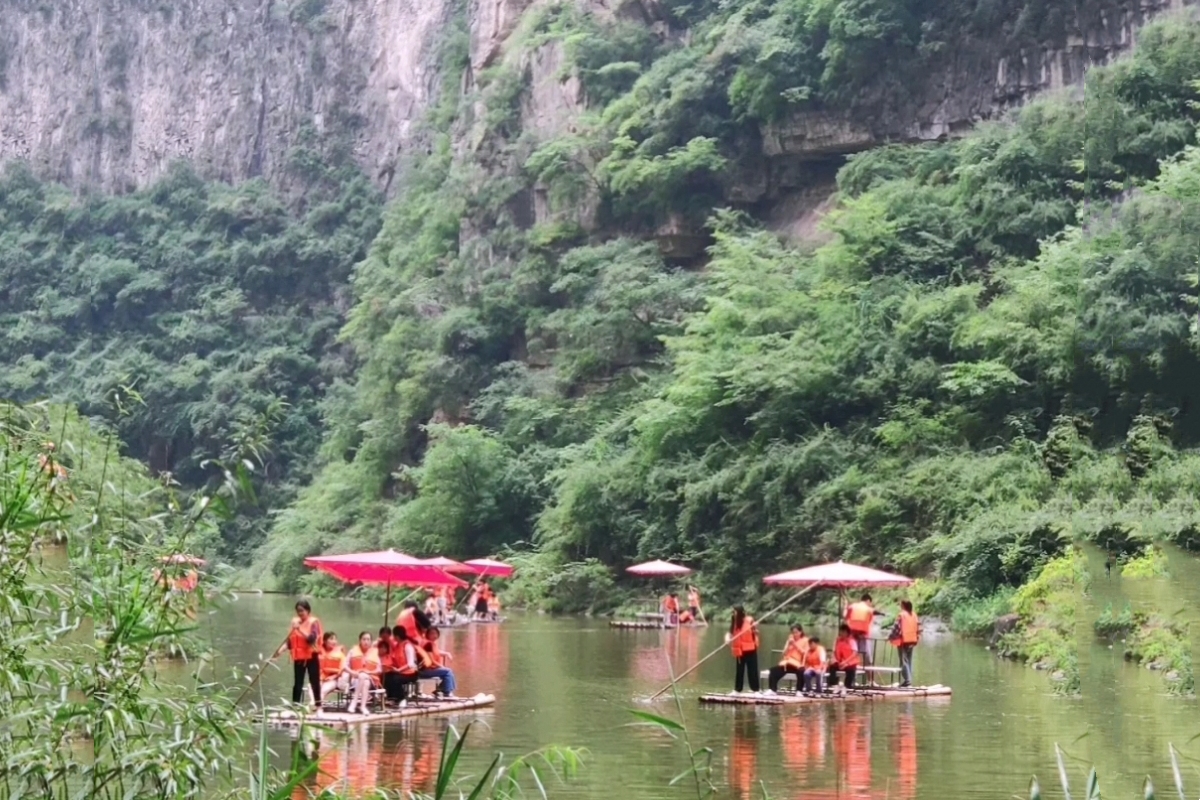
(650, 625)
(854, 695)
(417, 708)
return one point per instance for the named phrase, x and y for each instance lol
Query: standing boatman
(905, 635)
(859, 617)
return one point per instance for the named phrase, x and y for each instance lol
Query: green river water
(572, 681)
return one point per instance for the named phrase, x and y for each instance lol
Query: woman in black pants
(304, 643)
(743, 641)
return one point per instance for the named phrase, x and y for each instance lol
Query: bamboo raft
(415, 708)
(853, 695)
(640, 625)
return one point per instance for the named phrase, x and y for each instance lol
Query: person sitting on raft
(845, 658)
(365, 670)
(401, 668)
(670, 609)
(304, 642)
(743, 641)
(814, 666)
(334, 677)
(793, 659)
(433, 664)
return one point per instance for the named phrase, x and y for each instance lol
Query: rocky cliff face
(107, 93)
(976, 81)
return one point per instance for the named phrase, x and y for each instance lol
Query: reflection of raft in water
(650, 625)
(880, 693)
(417, 708)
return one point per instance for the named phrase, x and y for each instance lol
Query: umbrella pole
(692, 668)
(387, 603)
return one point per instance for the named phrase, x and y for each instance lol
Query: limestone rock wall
(107, 93)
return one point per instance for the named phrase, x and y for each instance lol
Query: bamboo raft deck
(643, 625)
(415, 708)
(854, 695)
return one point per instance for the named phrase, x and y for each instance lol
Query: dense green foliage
(198, 319)
(989, 359)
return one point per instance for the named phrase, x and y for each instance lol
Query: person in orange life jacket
(433, 664)
(493, 606)
(743, 641)
(906, 632)
(303, 642)
(670, 607)
(413, 620)
(845, 658)
(401, 669)
(364, 669)
(814, 666)
(793, 658)
(431, 608)
(482, 593)
(860, 616)
(334, 677)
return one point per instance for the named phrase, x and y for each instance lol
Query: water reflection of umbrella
(486, 566)
(383, 567)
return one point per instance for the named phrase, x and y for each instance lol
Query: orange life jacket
(298, 639)
(793, 652)
(910, 631)
(859, 616)
(815, 657)
(436, 657)
(402, 663)
(408, 621)
(671, 604)
(332, 663)
(745, 639)
(845, 654)
(424, 659)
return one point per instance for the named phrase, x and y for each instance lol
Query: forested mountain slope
(575, 330)
(994, 354)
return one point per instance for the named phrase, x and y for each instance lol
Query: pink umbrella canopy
(839, 575)
(447, 564)
(658, 569)
(487, 566)
(182, 558)
(384, 567)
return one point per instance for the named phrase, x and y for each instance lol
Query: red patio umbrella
(486, 566)
(384, 567)
(658, 569)
(839, 575)
(447, 564)
(182, 558)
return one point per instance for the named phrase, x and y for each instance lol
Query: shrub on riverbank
(1047, 607)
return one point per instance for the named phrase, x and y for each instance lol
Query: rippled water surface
(572, 681)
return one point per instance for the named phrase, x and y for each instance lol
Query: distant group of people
(483, 603)
(674, 615)
(805, 657)
(398, 658)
